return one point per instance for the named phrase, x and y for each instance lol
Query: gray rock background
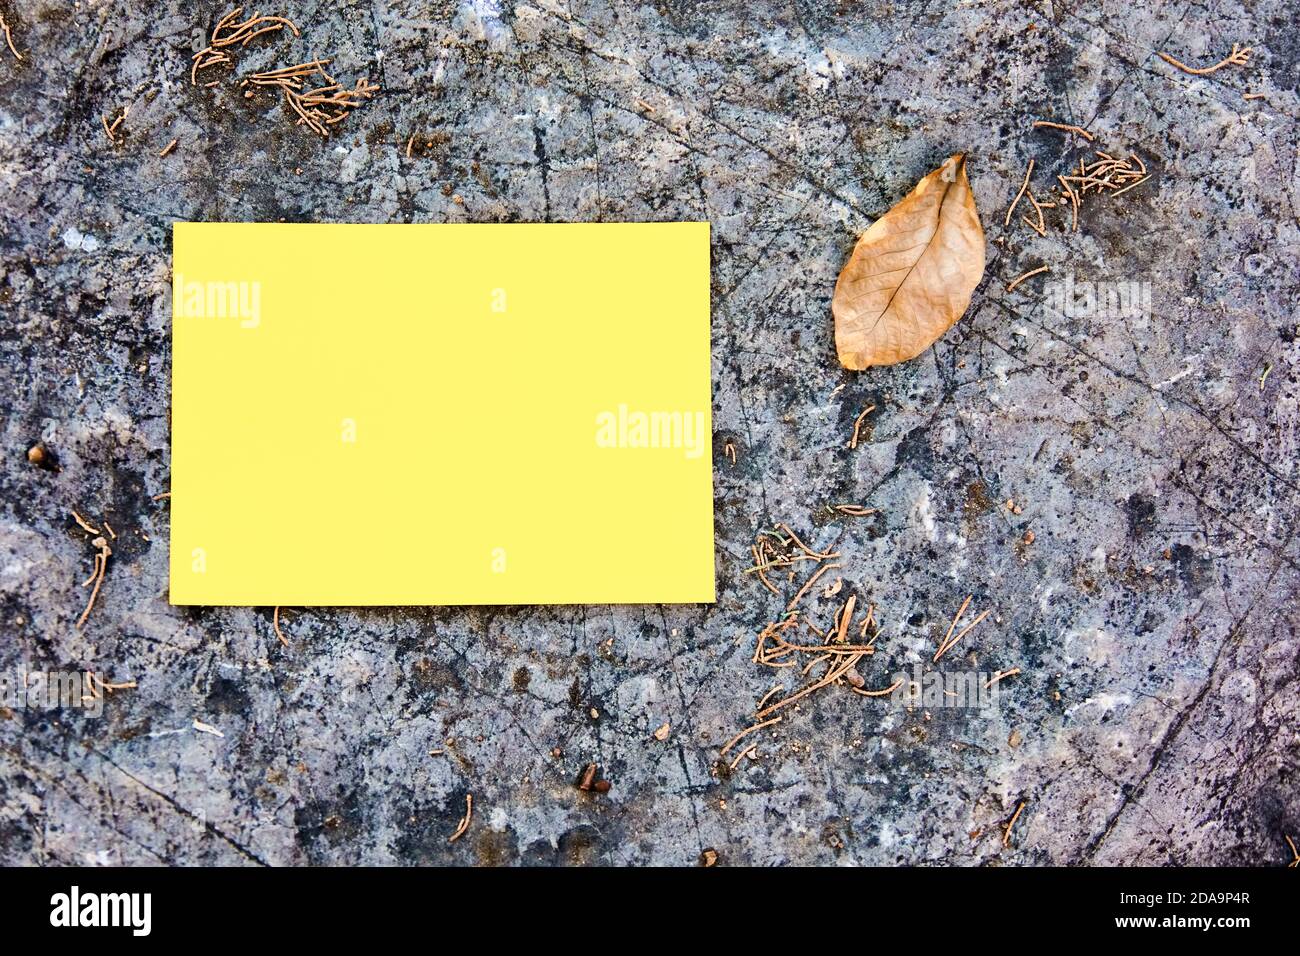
(1153, 615)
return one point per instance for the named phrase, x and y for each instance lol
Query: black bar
(303, 906)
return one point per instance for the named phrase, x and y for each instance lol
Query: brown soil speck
(40, 456)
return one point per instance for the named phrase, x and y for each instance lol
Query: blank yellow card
(441, 414)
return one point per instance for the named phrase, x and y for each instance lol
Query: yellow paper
(441, 414)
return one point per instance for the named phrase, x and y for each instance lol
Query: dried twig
(741, 756)
(465, 820)
(1001, 675)
(960, 634)
(110, 129)
(744, 733)
(9, 38)
(1006, 832)
(1041, 228)
(204, 59)
(1028, 275)
(776, 559)
(772, 551)
(760, 567)
(776, 688)
(1069, 128)
(166, 150)
(1074, 202)
(818, 555)
(857, 425)
(1238, 57)
(807, 585)
(845, 619)
(320, 107)
(101, 565)
(956, 617)
(1023, 186)
(294, 72)
(781, 649)
(228, 32)
(84, 524)
(275, 623)
(97, 683)
(883, 692)
(1106, 174)
(1294, 852)
(832, 675)
(1134, 185)
(241, 33)
(950, 641)
(868, 621)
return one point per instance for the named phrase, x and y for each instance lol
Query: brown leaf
(911, 274)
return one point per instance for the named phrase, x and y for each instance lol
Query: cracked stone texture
(1152, 616)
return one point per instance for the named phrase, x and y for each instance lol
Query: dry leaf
(911, 274)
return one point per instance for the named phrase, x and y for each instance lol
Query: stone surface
(1153, 615)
